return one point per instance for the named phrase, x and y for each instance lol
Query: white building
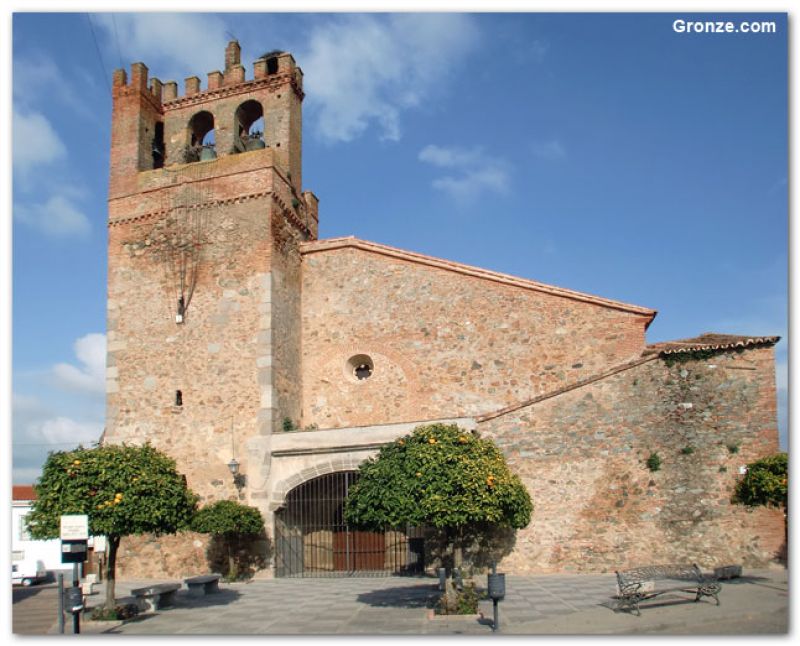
(26, 552)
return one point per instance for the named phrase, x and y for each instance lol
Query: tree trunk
(458, 551)
(111, 567)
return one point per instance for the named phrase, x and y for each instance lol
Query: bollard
(60, 604)
(442, 572)
(458, 579)
(77, 602)
(496, 589)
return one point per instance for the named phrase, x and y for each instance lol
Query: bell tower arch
(205, 216)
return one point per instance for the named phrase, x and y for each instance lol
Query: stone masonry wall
(597, 506)
(211, 357)
(443, 343)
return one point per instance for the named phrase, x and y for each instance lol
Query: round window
(360, 366)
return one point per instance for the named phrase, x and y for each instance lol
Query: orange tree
(438, 476)
(764, 483)
(124, 490)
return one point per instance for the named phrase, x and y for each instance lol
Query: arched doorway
(312, 539)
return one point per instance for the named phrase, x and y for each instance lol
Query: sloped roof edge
(331, 244)
(709, 341)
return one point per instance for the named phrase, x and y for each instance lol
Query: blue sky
(604, 153)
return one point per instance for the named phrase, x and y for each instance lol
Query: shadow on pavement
(754, 580)
(418, 596)
(20, 593)
(221, 598)
(665, 601)
(183, 599)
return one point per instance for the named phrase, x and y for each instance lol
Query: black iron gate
(312, 539)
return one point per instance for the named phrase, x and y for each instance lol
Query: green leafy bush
(765, 483)
(228, 517)
(230, 522)
(654, 462)
(464, 601)
(117, 613)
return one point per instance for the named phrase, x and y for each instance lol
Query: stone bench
(155, 597)
(641, 584)
(202, 585)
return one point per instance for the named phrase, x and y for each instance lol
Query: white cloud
(471, 184)
(450, 157)
(90, 375)
(366, 69)
(59, 216)
(35, 142)
(476, 172)
(172, 45)
(38, 429)
(39, 79)
(64, 431)
(551, 150)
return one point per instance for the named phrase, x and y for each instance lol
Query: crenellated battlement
(272, 69)
(155, 126)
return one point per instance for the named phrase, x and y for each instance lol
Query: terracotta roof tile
(709, 341)
(23, 492)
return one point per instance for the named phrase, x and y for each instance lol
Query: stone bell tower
(205, 214)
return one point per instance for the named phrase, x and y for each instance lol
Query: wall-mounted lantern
(239, 479)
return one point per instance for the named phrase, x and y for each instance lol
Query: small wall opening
(158, 146)
(272, 65)
(360, 367)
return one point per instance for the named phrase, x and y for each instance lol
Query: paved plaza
(758, 603)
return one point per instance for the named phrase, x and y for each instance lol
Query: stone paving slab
(552, 604)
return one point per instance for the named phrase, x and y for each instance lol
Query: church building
(269, 363)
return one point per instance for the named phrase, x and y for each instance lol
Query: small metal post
(497, 592)
(60, 604)
(442, 572)
(495, 607)
(76, 614)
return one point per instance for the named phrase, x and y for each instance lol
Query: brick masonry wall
(443, 343)
(582, 455)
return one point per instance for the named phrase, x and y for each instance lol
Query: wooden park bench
(643, 583)
(202, 585)
(155, 597)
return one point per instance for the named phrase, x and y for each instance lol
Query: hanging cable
(116, 40)
(99, 55)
